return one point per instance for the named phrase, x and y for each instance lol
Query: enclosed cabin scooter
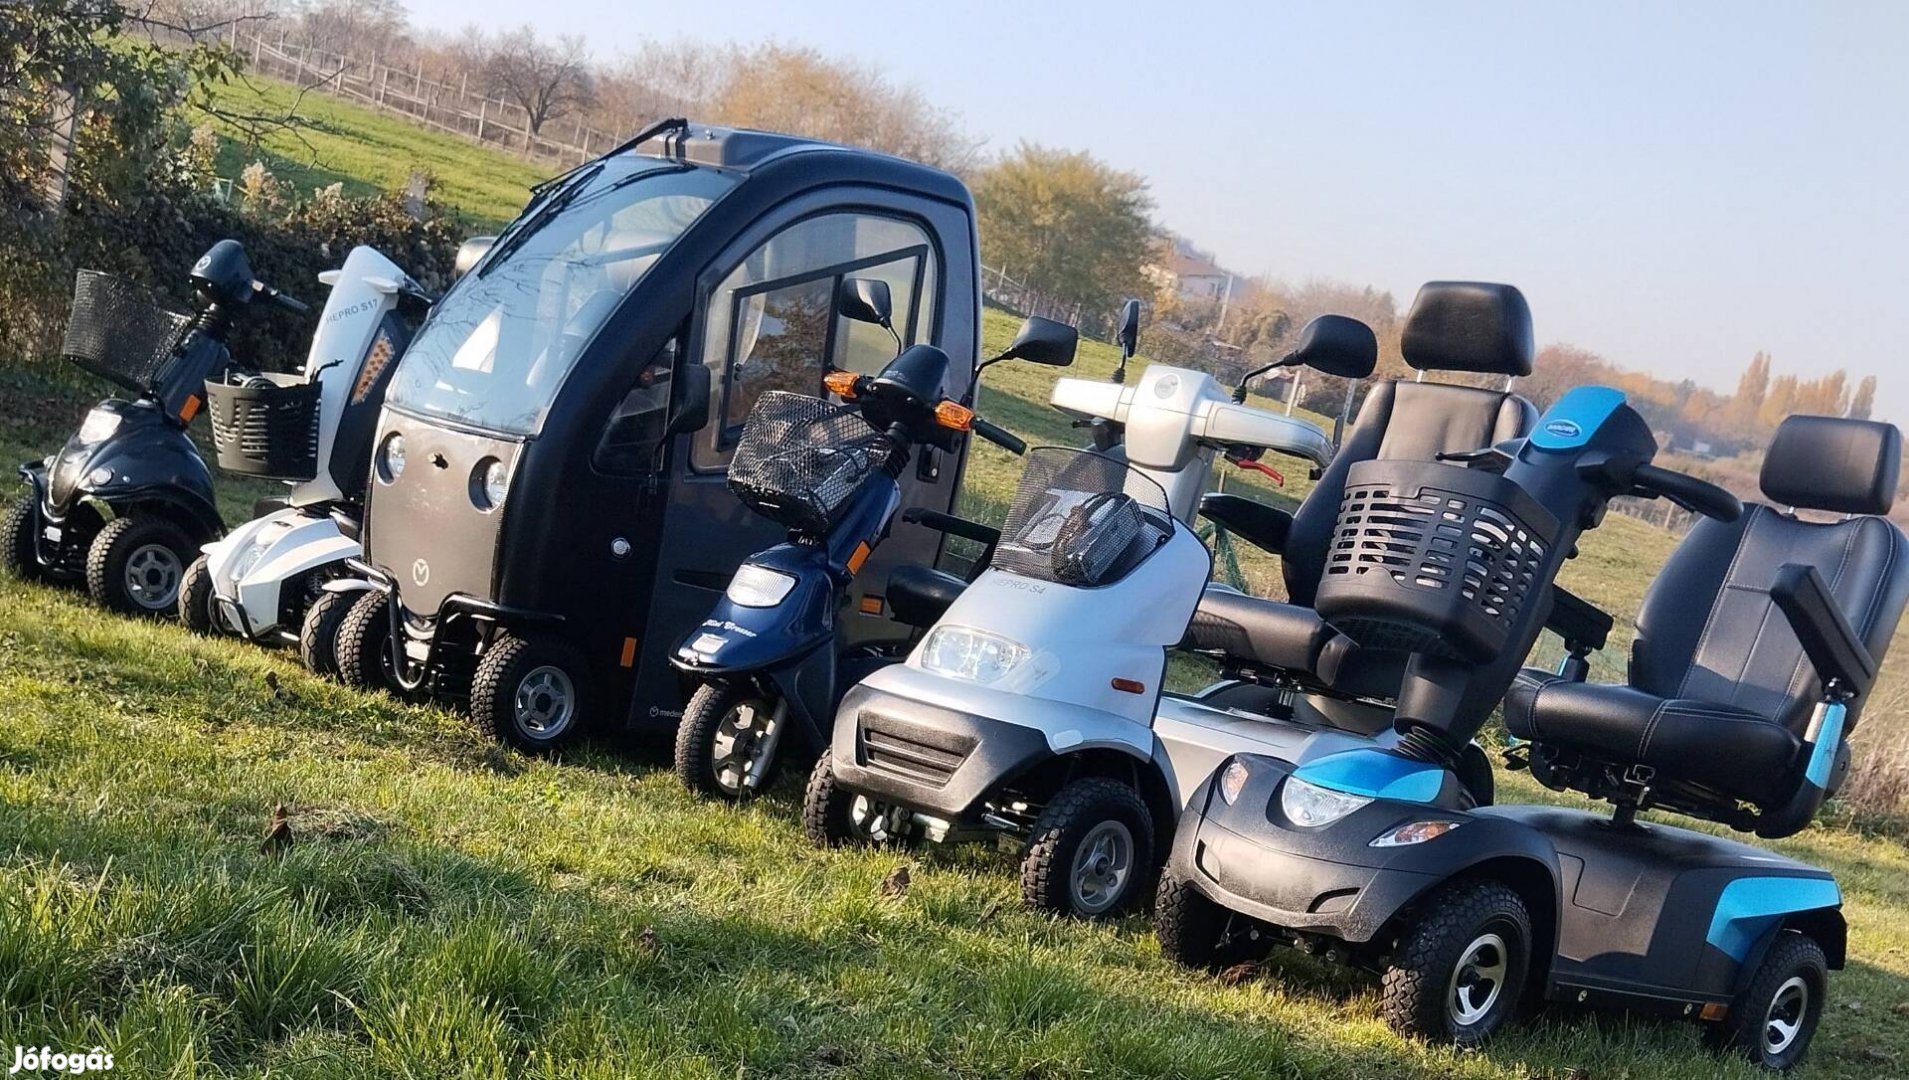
(1027, 712)
(312, 429)
(768, 657)
(548, 516)
(128, 501)
(1744, 678)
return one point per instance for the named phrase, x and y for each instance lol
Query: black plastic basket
(1434, 558)
(1081, 518)
(801, 459)
(266, 426)
(122, 332)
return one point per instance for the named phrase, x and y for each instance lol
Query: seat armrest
(1828, 640)
(1582, 625)
(1264, 527)
(952, 525)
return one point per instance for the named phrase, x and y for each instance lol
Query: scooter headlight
(490, 482)
(391, 458)
(1414, 832)
(1233, 780)
(98, 426)
(962, 652)
(759, 586)
(1309, 806)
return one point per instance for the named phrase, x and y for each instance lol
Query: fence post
(59, 149)
(483, 110)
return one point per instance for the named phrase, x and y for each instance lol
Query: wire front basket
(1081, 518)
(266, 426)
(122, 332)
(1434, 558)
(801, 459)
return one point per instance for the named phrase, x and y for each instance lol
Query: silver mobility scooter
(547, 515)
(1756, 648)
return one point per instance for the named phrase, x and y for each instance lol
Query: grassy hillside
(452, 910)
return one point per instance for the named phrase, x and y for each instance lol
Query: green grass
(449, 909)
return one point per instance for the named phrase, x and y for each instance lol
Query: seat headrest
(1829, 463)
(1469, 326)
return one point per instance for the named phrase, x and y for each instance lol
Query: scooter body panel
(740, 639)
(1200, 738)
(146, 458)
(251, 566)
(352, 367)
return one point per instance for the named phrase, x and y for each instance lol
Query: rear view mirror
(470, 252)
(1129, 336)
(865, 300)
(1043, 341)
(689, 405)
(1337, 345)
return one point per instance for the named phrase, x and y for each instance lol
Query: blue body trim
(1828, 738)
(1569, 424)
(1376, 774)
(1747, 907)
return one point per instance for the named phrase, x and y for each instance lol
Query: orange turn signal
(951, 414)
(1714, 1011)
(1130, 686)
(840, 383)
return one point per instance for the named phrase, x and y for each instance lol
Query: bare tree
(546, 79)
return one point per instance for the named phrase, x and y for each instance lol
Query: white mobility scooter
(1028, 711)
(265, 580)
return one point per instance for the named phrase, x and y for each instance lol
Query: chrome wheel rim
(876, 822)
(1103, 865)
(546, 702)
(745, 745)
(1783, 1022)
(1479, 979)
(152, 576)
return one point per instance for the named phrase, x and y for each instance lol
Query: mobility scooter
(1027, 711)
(312, 429)
(128, 500)
(767, 657)
(547, 515)
(1756, 647)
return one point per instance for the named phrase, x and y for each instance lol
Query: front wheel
(318, 633)
(1459, 973)
(136, 565)
(726, 744)
(363, 644)
(1772, 1022)
(833, 816)
(19, 550)
(1090, 854)
(195, 598)
(1194, 931)
(532, 693)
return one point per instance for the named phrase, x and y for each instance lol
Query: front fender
(161, 467)
(736, 640)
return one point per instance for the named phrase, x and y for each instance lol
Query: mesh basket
(1434, 559)
(267, 426)
(1081, 518)
(802, 458)
(121, 332)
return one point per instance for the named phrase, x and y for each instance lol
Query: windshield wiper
(543, 213)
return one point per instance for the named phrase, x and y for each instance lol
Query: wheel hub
(1103, 865)
(1784, 1020)
(1479, 979)
(545, 702)
(745, 743)
(152, 576)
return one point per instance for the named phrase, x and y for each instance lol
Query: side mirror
(1043, 341)
(1337, 345)
(689, 404)
(470, 252)
(865, 300)
(1129, 336)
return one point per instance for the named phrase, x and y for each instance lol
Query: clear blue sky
(1674, 185)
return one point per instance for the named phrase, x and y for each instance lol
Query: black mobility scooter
(548, 515)
(1754, 647)
(125, 505)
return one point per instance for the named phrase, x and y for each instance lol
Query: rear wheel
(532, 693)
(1458, 974)
(1090, 854)
(136, 565)
(18, 550)
(726, 743)
(833, 816)
(318, 633)
(195, 598)
(1772, 1022)
(362, 647)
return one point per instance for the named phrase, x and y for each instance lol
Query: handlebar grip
(1699, 496)
(289, 303)
(999, 436)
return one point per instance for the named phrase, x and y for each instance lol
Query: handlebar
(999, 436)
(1697, 496)
(286, 301)
(947, 414)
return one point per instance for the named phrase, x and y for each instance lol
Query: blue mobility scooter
(1755, 649)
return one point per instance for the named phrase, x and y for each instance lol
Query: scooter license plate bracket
(53, 533)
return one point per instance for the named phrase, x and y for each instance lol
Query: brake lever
(1258, 466)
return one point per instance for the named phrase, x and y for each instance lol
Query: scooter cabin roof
(748, 151)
